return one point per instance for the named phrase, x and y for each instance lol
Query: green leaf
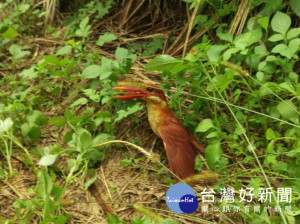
(85, 140)
(219, 81)
(32, 131)
(164, 63)
(92, 71)
(51, 59)
(246, 39)
(103, 137)
(227, 54)
(88, 183)
(205, 125)
(270, 134)
(295, 6)
(213, 153)
(287, 86)
(270, 159)
(279, 48)
(80, 101)
(9, 33)
(29, 73)
(276, 37)
(264, 22)
(92, 94)
(58, 121)
(255, 183)
(281, 22)
(288, 110)
(47, 160)
(64, 50)
(17, 51)
(107, 37)
(225, 36)
(121, 53)
(83, 28)
(23, 7)
(215, 51)
(292, 33)
(130, 110)
(271, 7)
(44, 185)
(5, 125)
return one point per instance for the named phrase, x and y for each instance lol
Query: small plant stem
(7, 155)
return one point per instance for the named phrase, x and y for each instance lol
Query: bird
(179, 143)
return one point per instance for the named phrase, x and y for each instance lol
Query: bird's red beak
(130, 92)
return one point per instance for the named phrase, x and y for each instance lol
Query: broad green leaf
(86, 140)
(36, 117)
(47, 160)
(32, 131)
(264, 22)
(17, 51)
(271, 7)
(107, 37)
(288, 110)
(295, 6)
(270, 134)
(292, 33)
(225, 36)
(255, 183)
(279, 48)
(23, 7)
(64, 50)
(92, 94)
(58, 121)
(227, 54)
(103, 137)
(164, 63)
(88, 183)
(281, 22)
(130, 110)
(84, 23)
(219, 81)
(44, 185)
(83, 28)
(52, 59)
(213, 134)
(246, 39)
(260, 76)
(213, 153)
(121, 53)
(9, 33)
(29, 73)
(5, 125)
(80, 101)
(204, 125)
(215, 51)
(92, 71)
(287, 86)
(276, 37)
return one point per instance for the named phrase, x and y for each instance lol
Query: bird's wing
(180, 153)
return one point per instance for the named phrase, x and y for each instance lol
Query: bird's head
(134, 90)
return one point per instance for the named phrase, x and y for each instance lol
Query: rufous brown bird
(178, 142)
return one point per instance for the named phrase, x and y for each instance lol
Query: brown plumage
(178, 142)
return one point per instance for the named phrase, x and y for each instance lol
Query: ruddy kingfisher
(178, 142)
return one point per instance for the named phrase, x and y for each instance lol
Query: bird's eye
(150, 89)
